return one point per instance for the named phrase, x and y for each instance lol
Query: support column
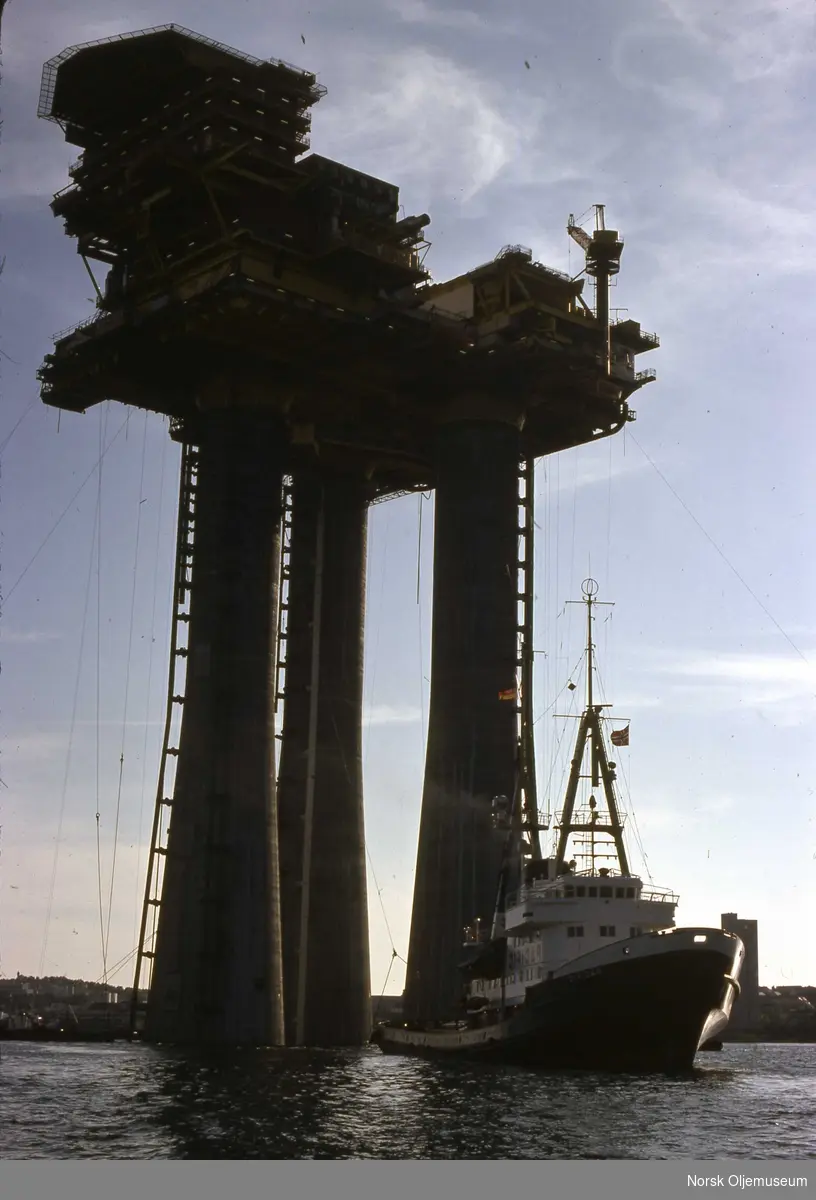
(472, 734)
(325, 949)
(217, 977)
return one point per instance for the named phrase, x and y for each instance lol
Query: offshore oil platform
(276, 308)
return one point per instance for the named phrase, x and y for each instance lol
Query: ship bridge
(591, 898)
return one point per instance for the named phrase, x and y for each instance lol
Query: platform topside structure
(274, 305)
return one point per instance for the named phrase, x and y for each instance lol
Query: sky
(689, 121)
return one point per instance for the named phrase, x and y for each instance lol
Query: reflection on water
(121, 1101)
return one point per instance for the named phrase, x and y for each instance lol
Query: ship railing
(555, 891)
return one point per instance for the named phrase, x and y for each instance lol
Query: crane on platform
(603, 250)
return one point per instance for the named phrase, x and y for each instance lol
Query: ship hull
(630, 1008)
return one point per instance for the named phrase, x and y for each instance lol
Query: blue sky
(690, 122)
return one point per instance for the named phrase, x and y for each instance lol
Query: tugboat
(582, 967)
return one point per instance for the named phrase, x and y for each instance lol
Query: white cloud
(18, 748)
(426, 119)
(386, 714)
(420, 12)
(587, 474)
(640, 58)
(753, 668)
(19, 637)
(756, 39)
(777, 688)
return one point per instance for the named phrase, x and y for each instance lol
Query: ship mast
(602, 770)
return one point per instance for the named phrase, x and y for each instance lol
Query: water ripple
(136, 1102)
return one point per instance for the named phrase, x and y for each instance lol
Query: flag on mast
(619, 737)
(508, 694)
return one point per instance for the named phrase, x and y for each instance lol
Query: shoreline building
(745, 1014)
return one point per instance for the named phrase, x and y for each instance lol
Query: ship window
(634, 931)
(575, 931)
(593, 891)
(606, 891)
(580, 891)
(607, 931)
(619, 893)
(569, 891)
(630, 893)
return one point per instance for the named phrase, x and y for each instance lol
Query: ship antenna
(589, 589)
(589, 731)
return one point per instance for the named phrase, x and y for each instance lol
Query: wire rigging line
(560, 694)
(626, 789)
(127, 683)
(71, 730)
(554, 756)
(382, 906)
(377, 639)
(721, 553)
(388, 975)
(62, 517)
(136, 906)
(17, 425)
(419, 623)
(102, 431)
(123, 962)
(609, 513)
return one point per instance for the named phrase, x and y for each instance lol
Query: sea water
(121, 1101)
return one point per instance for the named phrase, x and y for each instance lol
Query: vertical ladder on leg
(531, 821)
(177, 679)
(283, 600)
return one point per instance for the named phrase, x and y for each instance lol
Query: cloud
(780, 689)
(753, 668)
(32, 747)
(586, 474)
(18, 637)
(420, 12)
(426, 119)
(385, 714)
(755, 39)
(644, 58)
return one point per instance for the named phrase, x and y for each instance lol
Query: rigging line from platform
(626, 788)
(118, 966)
(609, 513)
(17, 425)
(379, 890)
(554, 755)
(422, 713)
(368, 685)
(62, 517)
(136, 914)
(69, 752)
(103, 426)
(721, 553)
(127, 683)
(394, 952)
(560, 694)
